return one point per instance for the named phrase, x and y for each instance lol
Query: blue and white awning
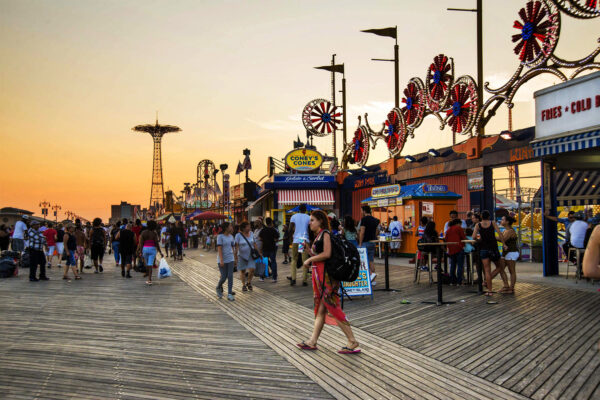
(565, 144)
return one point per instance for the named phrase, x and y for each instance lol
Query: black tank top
(488, 237)
(72, 243)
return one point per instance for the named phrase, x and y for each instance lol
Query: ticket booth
(409, 203)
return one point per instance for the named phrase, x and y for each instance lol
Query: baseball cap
(25, 216)
(35, 222)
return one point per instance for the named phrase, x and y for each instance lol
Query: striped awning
(308, 196)
(565, 144)
(575, 188)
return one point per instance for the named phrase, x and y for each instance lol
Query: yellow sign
(304, 159)
(385, 191)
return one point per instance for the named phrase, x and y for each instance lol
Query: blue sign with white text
(303, 179)
(435, 188)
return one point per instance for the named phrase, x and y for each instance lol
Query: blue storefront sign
(435, 188)
(299, 181)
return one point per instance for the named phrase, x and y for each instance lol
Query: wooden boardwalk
(384, 369)
(105, 337)
(541, 343)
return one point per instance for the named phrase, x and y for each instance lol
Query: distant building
(123, 210)
(10, 215)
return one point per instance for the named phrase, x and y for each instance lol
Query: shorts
(512, 256)
(71, 259)
(245, 264)
(491, 254)
(149, 254)
(370, 250)
(18, 245)
(51, 251)
(60, 248)
(126, 259)
(80, 253)
(97, 251)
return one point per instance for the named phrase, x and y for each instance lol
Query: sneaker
(123, 273)
(292, 282)
(101, 269)
(244, 288)
(220, 293)
(128, 275)
(33, 279)
(285, 262)
(230, 297)
(249, 287)
(274, 281)
(261, 279)
(373, 275)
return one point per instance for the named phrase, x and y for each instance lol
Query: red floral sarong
(330, 297)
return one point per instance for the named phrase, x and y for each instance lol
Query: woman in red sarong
(326, 291)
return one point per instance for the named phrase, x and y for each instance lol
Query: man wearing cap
(37, 242)
(18, 237)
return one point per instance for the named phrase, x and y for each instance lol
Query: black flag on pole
(389, 32)
(239, 169)
(333, 68)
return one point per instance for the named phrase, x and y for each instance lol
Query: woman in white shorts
(510, 251)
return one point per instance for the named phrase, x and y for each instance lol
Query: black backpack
(344, 263)
(98, 236)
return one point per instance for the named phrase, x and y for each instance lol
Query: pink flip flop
(347, 350)
(304, 346)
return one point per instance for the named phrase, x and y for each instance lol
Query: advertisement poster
(362, 285)
(427, 208)
(475, 179)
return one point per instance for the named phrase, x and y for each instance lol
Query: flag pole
(397, 71)
(343, 108)
(333, 100)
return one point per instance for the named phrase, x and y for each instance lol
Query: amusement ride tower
(157, 131)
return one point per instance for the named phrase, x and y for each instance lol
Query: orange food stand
(409, 203)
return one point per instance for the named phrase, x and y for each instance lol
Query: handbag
(253, 252)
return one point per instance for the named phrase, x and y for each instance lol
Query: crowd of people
(305, 244)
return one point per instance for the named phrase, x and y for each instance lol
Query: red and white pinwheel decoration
(320, 117)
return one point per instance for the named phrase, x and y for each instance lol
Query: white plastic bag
(164, 271)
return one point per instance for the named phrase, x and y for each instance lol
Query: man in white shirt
(18, 237)
(577, 231)
(453, 216)
(299, 225)
(396, 231)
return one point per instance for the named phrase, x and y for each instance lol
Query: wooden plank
(380, 357)
(528, 327)
(107, 337)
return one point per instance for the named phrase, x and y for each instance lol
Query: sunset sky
(76, 76)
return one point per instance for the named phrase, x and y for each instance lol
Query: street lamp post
(55, 208)
(246, 152)
(393, 33)
(223, 168)
(478, 11)
(44, 206)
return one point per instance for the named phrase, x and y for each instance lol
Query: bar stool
(429, 257)
(469, 269)
(574, 251)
